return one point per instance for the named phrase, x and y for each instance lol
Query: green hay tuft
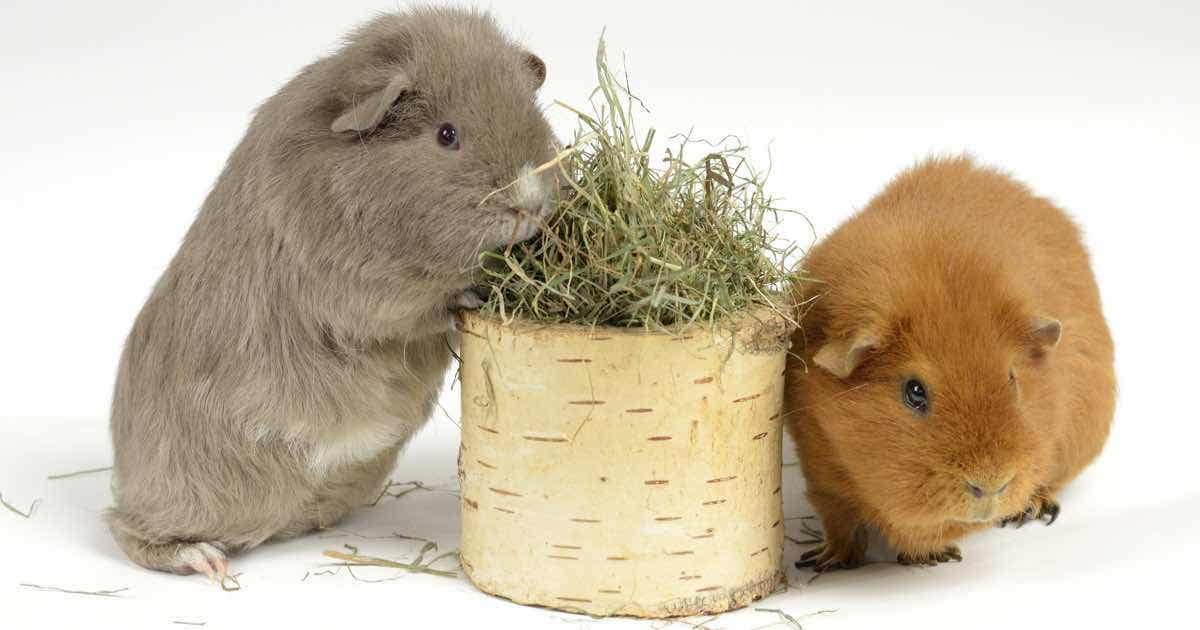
(636, 244)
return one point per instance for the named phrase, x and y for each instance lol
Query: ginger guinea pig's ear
(368, 112)
(841, 357)
(537, 67)
(1044, 333)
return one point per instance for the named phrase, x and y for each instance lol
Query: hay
(55, 589)
(355, 560)
(790, 621)
(633, 244)
(228, 583)
(412, 486)
(79, 473)
(12, 508)
(807, 527)
(418, 565)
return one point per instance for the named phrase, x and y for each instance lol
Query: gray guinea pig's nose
(979, 489)
(530, 193)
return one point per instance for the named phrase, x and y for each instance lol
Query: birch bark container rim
(617, 471)
(758, 328)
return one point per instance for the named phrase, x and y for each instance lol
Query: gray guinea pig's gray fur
(301, 334)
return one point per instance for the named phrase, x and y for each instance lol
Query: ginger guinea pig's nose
(980, 488)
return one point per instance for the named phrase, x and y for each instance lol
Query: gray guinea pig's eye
(447, 136)
(915, 396)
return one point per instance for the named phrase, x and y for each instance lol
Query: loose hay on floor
(418, 565)
(111, 593)
(12, 508)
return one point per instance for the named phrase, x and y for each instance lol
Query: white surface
(119, 116)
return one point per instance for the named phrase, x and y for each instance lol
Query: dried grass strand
(12, 508)
(79, 473)
(113, 593)
(416, 566)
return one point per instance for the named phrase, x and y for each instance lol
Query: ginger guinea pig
(300, 335)
(954, 370)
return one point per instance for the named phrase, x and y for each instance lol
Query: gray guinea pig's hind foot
(179, 555)
(203, 557)
(185, 558)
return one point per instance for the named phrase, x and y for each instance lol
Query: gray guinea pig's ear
(841, 357)
(368, 112)
(537, 67)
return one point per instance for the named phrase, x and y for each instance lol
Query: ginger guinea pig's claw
(825, 558)
(1050, 511)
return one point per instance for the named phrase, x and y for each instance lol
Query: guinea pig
(301, 333)
(954, 370)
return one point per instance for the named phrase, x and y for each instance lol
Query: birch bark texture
(611, 471)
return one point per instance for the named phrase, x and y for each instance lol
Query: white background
(117, 117)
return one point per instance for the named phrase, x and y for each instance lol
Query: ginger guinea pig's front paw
(832, 558)
(1040, 508)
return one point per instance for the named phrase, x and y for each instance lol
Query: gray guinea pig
(301, 333)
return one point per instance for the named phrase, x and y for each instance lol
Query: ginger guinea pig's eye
(447, 136)
(1012, 377)
(915, 396)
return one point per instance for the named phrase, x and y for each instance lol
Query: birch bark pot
(612, 471)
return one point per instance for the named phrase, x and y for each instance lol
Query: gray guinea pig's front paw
(467, 300)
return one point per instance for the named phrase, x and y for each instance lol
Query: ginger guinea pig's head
(930, 384)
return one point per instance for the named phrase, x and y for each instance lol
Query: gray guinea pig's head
(397, 144)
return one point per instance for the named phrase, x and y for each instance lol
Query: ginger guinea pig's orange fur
(957, 277)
